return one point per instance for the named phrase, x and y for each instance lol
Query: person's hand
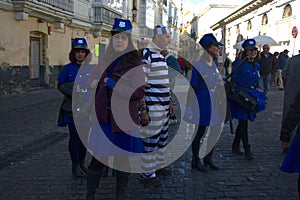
(144, 118)
(109, 82)
(94, 84)
(285, 146)
(172, 109)
(188, 113)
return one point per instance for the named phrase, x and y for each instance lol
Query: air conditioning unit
(22, 16)
(59, 25)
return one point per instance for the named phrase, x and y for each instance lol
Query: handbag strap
(237, 68)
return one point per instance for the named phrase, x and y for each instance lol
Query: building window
(264, 20)
(287, 11)
(238, 30)
(229, 31)
(249, 25)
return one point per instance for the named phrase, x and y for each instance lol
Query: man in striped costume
(157, 97)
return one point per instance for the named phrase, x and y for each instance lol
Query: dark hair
(72, 57)
(244, 54)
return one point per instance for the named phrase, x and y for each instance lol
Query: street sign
(294, 32)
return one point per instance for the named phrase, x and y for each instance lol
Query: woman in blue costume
(66, 81)
(246, 79)
(204, 110)
(291, 161)
(118, 88)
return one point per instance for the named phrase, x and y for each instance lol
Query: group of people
(141, 78)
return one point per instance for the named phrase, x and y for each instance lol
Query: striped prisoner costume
(157, 97)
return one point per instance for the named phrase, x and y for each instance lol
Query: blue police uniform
(205, 80)
(67, 75)
(246, 79)
(66, 81)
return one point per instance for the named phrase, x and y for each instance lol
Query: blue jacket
(246, 79)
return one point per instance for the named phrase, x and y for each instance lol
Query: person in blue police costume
(206, 82)
(121, 72)
(291, 162)
(66, 79)
(246, 79)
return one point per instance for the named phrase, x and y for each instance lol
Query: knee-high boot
(92, 183)
(122, 181)
(208, 161)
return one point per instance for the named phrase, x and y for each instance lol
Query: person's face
(143, 44)
(252, 54)
(266, 49)
(214, 50)
(120, 42)
(80, 55)
(162, 41)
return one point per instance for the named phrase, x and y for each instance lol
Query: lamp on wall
(134, 13)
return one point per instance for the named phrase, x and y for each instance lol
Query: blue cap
(249, 44)
(79, 43)
(121, 25)
(209, 39)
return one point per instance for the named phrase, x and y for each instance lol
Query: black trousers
(196, 141)
(241, 133)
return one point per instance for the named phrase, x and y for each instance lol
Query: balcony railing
(67, 5)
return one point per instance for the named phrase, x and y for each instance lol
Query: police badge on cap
(121, 25)
(79, 43)
(249, 44)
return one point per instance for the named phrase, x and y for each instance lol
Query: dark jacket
(266, 64)
(127, 93)
(291, 120)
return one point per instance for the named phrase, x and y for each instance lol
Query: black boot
(92, 183)
(248, 153)
(236, 149)
(77, 171)
(197, 164)
(209, 162)
(122, 181)
(82, 166)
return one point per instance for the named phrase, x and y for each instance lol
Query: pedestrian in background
(173, 70)
(291, 162)
(66, 79)
(274, 73)
(121, 74)
(283, 59)
(246, 79)
(206, 81)
(227, 65)
(157, 97)
(266, 62)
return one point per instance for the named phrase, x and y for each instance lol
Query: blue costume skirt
(105, 143)
(291, 162)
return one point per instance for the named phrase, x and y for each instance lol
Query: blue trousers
(76, 148)
(264, 82)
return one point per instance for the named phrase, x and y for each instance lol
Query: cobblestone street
(35, 162)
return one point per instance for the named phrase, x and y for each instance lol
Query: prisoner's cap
(161, 30)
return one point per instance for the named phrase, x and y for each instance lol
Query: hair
(72, 57)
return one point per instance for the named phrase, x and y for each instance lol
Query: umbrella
(260, 40)
(263, 39)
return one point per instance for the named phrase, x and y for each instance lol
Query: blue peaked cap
(79, 43)
(249, 44)
(121, 25)
(209, 39)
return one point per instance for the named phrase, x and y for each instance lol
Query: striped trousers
(155, 137)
